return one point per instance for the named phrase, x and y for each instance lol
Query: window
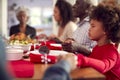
(40, 14)
(41, 19)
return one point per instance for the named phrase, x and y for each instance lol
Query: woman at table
(22, 15)
(64, 17)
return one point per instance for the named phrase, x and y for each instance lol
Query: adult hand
(42, 36)
(69, 40)
(71, 59)
(52, 36)
(67, 47)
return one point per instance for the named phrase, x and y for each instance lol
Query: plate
(57, 52)
(56, 45)
(52, 52)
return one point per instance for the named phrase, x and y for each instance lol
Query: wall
(3, 17)
(0, 16)
(31, 3)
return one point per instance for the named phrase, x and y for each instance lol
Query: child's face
(96, 31)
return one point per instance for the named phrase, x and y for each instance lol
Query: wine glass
(45, 51)
(26, 48)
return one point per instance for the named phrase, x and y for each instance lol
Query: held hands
(70, 58)
(74, 60)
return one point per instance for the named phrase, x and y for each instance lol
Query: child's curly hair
(110, 18)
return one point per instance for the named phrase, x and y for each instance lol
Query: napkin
(51, 47)
(48, 44)
(40, 58)
(22, 69)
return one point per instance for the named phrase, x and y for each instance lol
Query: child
(105, 29)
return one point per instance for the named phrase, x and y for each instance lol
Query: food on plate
(20, 39)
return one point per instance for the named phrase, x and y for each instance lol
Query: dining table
(87, 73)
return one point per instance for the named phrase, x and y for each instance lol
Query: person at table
(105, 29)
(22, 15)
(64, 18)
(4, 75)
(80, 41)
(61, 70)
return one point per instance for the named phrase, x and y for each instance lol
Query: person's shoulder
(30, 27)
(71, 23)
(109, 48)
(14, 26)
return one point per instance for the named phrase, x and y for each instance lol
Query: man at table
(80, 41)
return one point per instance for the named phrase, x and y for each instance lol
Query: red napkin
(54, 47)
(39, 58)
(47, 43)
(22, 68)
(50, 46)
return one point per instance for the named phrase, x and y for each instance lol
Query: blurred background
(41, 14)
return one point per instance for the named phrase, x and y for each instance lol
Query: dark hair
(65, 9)
(110, 18)
(82, 8)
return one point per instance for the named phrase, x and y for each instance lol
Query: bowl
(14, 53)
(26, 48)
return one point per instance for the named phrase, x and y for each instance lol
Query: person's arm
(76, 48)
(71, 29)
(68, 31)
(80, 49)
(33, 33)
(59, 71)
(102, 66)
(11, 31)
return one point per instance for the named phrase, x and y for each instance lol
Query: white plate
(57, 52)
(14, 54)
(56, 45)
(33, 52)
(52, 52)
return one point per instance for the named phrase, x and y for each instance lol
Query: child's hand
(71, 59)
(81, 60)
